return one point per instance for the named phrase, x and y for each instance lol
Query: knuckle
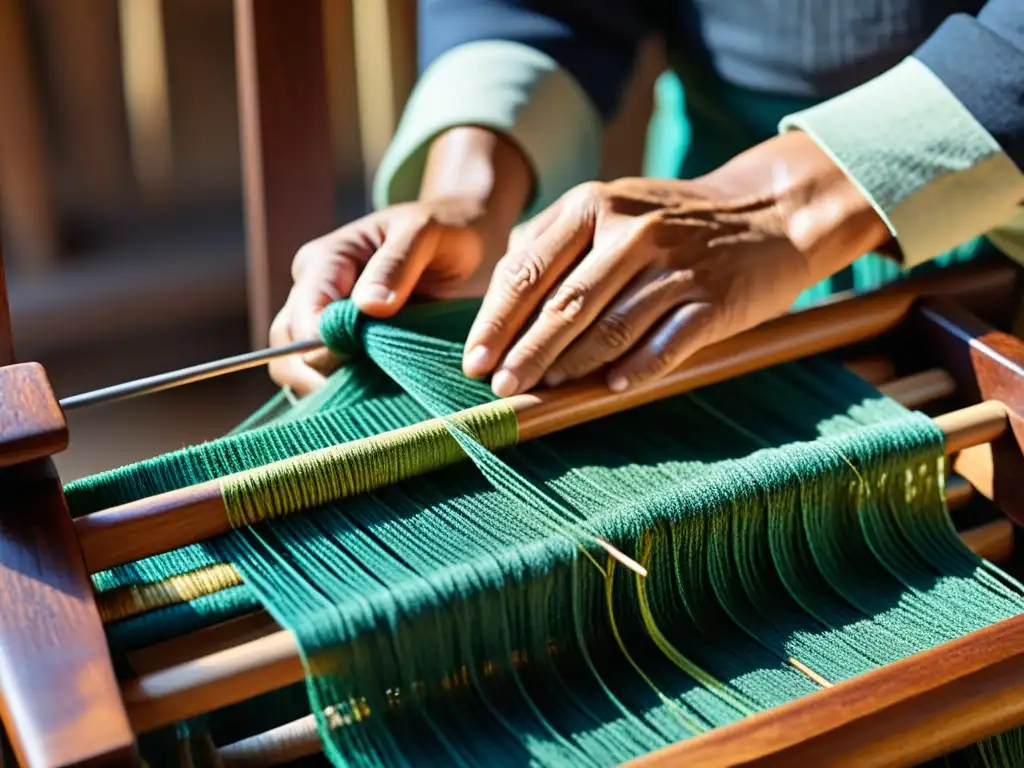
(523, 272)
(568, 303)
(590, 190)
(613, 332)
(588, 195)
(675, 281)
(306, 253)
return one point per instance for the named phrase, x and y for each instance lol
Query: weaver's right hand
(474, 187)
(422, 248)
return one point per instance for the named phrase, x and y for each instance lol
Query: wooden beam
(902, 714)
(987, 365)
(59, 698)
(286, 143)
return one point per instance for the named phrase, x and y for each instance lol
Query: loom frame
(62, 704)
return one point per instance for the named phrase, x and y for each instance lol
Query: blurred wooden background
(122, 148)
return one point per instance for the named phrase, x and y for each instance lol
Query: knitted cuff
(933, 173)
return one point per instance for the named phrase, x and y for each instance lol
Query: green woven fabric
(466, 617)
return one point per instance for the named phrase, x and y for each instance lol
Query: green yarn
(464, 616)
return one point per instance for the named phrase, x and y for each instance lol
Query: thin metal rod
(160, 382)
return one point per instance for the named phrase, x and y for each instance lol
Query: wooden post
(26, 183)
(385, 58)
(6, 336)
(286, 143)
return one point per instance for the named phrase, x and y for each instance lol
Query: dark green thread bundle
(465, 617)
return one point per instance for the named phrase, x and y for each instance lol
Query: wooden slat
(59, 699)
(286, 143)
(919, 389)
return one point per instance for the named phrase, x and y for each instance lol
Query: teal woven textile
(466, 617)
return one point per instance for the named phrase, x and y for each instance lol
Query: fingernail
(475, 363)
(504, 384)
(377, 293)
(554, 378)
(618, 383)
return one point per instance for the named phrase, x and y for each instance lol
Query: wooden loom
(922, 342)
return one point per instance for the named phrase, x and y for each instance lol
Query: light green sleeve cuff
(510, 88)
(933, 173)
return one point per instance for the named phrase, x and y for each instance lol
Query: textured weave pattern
(790, 520)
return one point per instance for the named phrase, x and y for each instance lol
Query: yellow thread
(125, 602)
(691, 723)
(669, 650)
(801, 667)
(340, 471)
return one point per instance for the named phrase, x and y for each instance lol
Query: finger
(574, 306)
(625, 322)
(323, 271)
(322, 283)
(391, 274)
(689, 328)
(290, 371)
(293, 373)
(520, 281)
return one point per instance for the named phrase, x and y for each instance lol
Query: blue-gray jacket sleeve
(546, 73)
(937, 143)
(981, 61)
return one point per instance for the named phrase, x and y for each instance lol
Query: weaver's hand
(641, 273)
(443, 246)
(428, 249)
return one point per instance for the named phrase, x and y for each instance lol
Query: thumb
(391, 274)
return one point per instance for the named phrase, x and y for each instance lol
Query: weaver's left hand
(641, 273)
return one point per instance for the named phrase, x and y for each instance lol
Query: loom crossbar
(178, 518)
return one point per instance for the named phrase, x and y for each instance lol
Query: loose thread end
(801, 667)
(623, 558)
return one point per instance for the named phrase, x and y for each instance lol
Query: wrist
(481, 167)
(820, 209)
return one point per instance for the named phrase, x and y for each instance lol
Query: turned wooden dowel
(920, 388)
(228, 676)
(875, 370)
(171, 520)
